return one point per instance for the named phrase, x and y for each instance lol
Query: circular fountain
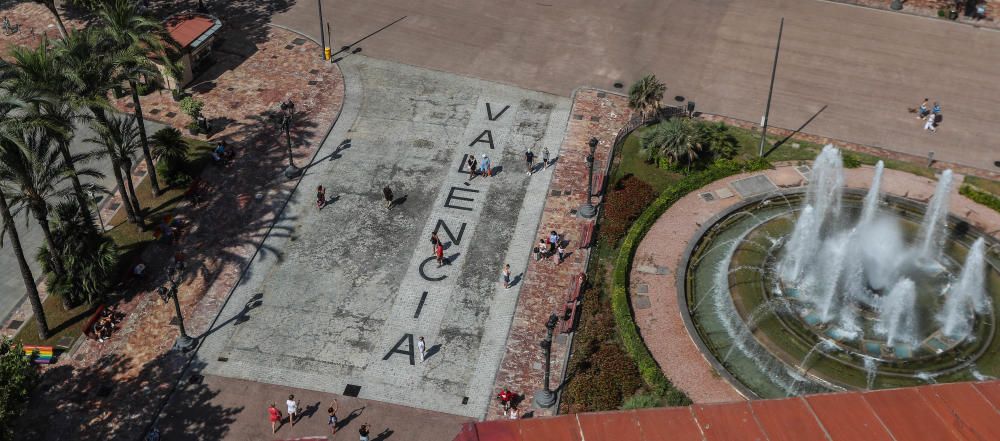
(832, 289)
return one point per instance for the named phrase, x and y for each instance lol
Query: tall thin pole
(770, 90)
(322, 41)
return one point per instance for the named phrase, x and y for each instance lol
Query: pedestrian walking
(363, 431)
(439, 252)
(274, 415)
(539, 250)
(293, 409)
(434, 242)
(929, 125)
(505, 396)
(332, 420)
(421, 348)
(506, 276)
(561, 253)
(320, 197)
(485, 168)
(387, 194)
(924, 110)
(529, 157)
(937, 109)
(471, 162)
(513, 413)
(545, 157)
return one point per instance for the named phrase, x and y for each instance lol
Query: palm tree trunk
(129, 210)
(55, 254)
(51, 4)
(126, 167)
(142, 139)
(81, 197)
(29, 279)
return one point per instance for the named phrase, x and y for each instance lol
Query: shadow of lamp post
(184, 342)
(546, 397)
(287, 111)
(587, 210)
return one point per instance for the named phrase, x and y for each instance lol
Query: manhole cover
(641, 302)
(14, 324)
(601, 94)
(595, 119)
(642, 288)
(578, 117)
(290, 47)
(299, 41)
(753, 186)
(313, 82)
(707, 196)
(619, 85)
(314, 71)
(154, 111)
(352, 390)
(556, 192)
(171, 114)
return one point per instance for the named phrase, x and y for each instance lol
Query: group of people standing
(294, 414)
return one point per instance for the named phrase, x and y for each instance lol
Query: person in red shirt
(275, 415)
(439, 251)
(505, 397)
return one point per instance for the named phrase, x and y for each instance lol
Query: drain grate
(290, 47)
(578, 117)
(707, 196)
(595, 119)
(14, 324)
(313, 71)
(352, 390)
(313, 82)
(602, 94)
(299, 41)
(154, 111)
(465, 400)
(753, 186)
(171, 114)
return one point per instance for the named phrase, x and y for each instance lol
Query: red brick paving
(34, 20)
(546, 283)
(930, 8)
(221, 235)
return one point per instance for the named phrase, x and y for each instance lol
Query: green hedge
(983, 197)
(650, 370)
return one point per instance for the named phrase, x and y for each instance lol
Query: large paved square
(345, 291)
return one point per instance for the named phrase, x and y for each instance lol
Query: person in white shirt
(293, 409)
(421, 348)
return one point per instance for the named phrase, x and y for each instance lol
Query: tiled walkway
(594, 114)
(111, 390)
(661, 324)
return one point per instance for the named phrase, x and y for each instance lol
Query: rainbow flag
(39, 354)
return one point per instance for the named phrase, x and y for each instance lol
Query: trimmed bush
(622, 310)
(622, 206)
(850, 160)
(983, 197)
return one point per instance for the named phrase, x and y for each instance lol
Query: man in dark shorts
(387, 194)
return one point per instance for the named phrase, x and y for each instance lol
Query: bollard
(327, 53)
(930, 159)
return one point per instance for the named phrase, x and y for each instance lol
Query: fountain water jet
(898, 313)
(966, 295)
(932, 228)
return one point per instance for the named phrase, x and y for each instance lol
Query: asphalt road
(11, 284)
(868, 66)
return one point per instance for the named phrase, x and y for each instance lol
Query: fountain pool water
(834, 288)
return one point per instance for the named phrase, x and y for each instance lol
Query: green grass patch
(633, 163)
(984, 184)
(982, 197)
(62, 323)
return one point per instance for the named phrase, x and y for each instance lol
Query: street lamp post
(287, 110)
(184, 342)
(587, 210)
(546, 397)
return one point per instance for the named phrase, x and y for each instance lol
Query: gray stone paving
(343, 287)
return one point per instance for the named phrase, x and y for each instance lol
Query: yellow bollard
(327, 53)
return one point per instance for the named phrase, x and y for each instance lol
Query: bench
(572, 303)
(39, 354)
(598, 185)
(586, 234)
(88, 329)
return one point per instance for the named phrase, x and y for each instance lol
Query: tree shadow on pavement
(113, 399)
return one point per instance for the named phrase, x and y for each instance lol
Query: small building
(194, 34)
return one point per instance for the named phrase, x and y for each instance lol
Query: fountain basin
(754, 328)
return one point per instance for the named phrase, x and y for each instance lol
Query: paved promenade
(346, 291)
(867, 66)
(661, 324)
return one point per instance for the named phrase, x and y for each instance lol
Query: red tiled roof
(942, 412)
(185, 29)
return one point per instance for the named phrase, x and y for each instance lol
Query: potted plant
(192, 106)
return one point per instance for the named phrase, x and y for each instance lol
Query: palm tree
(51, 4)
(645, 95)
(677, 139)
(169, 144)
(91, 78)
(120, 138)
(7, 121)
(133, 36)
(38, 173)
(35, 70)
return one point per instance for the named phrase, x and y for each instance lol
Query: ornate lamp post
(185, 343)
(587, 210)
(97, 209)
(546, 397)
(287, 111)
